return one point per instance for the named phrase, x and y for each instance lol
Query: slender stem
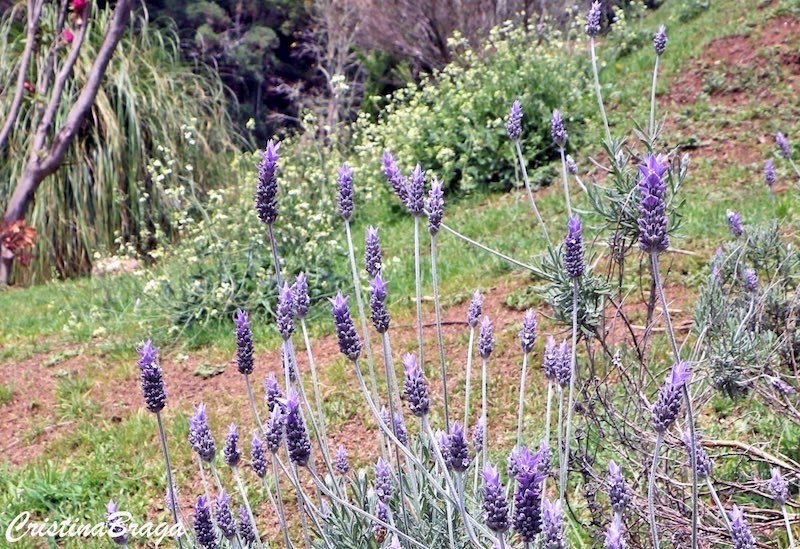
(521, 397)
(203, 478)
(565, 181)
(651, 490)
(597, 90)
(170, 485)
(469, 379)
(794, 167)
(215, 475)
(279, 501)
(450, 528)
(715, 497)
(572, 375)
(313, 368)
(276, 262)
(788, 526)
(243, 493)
(686, 396)
(253, 402)
(560, 442)
(418, 283)
(653, 101)
(484, 408)
(491, 251)
(547, 433)
(501, 541)
(440, 340)
(361, 314)
(524, 170)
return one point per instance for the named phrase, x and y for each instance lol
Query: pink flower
(68, 36)
(79, 6)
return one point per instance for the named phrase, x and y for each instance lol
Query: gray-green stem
(597, 90)
(275, 260)
(521, 397)
(243, 493)
(561, 485)
(788, 526)
(565, 181)
(279, 501)
(439, 338)
(469, 380)
(170, 485)
(489, 250)
(313, 368)
(686, 396)
(524, 171)
(484, 410)
(572, 375)
(718, 503)
(651, 492)
(253, 402)
(653, 101)
(418, 285)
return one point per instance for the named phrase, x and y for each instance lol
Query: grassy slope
(100, 320)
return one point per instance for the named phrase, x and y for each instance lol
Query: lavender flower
(572, 167)
(372, 252)
(297, 439)
(778, 487)
(750, 281)
(514, 122)
(114, 524)
(704, 463)
(400, 429)
(783, 145)
(564, 367)
(378, 529)
(735, 223)
(200, 435)
(740, 532)
(258, 457)
(231, 450)
(395, 177)
(527, 496)
(345, 197)
(273, 392)
(615, 535)
(573, 249)
(478, 434)
(151, 377)
(617, 488)
(475, 309)
(415, 192)
(300, 298)
(443, 442)
(553, 534)
(244, 343)
(377, 305)
(546, 460)
(285, 313)
(653, 237)
(769, 173)
(660, 40)
(246, 531)
(349, 344)
(416, 388)
(224, 516)
(512, 461)
(495, 506)
(550, 362)
(340, 461)
(668, 404)
(435, 207)
(527, 335)
(458, 454)
(557, 130)
(267, 188)
(273, 430)
(486, 339)
(593, 19)
(384, 487)
(783, 388)
(203, 524)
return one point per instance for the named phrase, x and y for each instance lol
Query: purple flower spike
(349, 344)
(382, 514)
(557, 130)
(618, 492)
(435, 207)
(297, 440)
(395, 177)
(553, 526)
(384, 487)
(373, 260)
(246, 531)
(400, 429)
(340, 461)
(514, 122)
(224, 516)
(550, 362)
(300, 298)
(527, 335)
(204, 525)
(573, 249)
(495, 506)
(377, 305)
(486, 339)
(668, 405)
(416, 388)
(151, 377)
(660, 40)
(564, 368)
(415, 201)
(200, 435)
(740, 532)
(735, 223)
(244, 343)
(546, 461)
(274, 394)
(769, 173)
(116, 527)
(273, 430)
(258, 456)
(285, 313)
(615, 535)
(653, 237)
(750, 281)
(345, 198)
(593, 20)
(528, 495)
(572, 167)
(783, 145)
(231, 450)
(458, 456)
(475, 309)
(478, 434)
(704, 463)
(267, 189)
(778, 487)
